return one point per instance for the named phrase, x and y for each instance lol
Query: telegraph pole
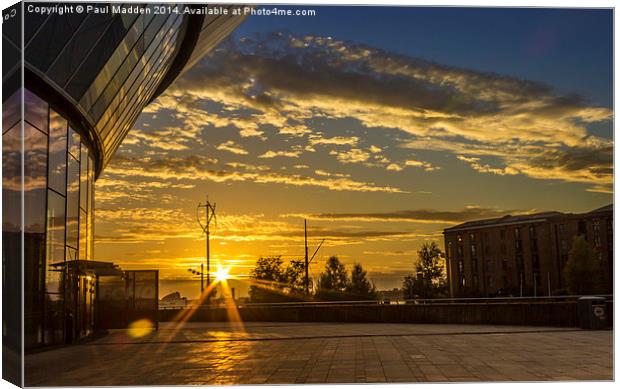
(209, 216)
(307, 279)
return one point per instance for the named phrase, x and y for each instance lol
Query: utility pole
(209, 216)
(307, 279)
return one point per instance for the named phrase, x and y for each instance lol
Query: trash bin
(592, 312)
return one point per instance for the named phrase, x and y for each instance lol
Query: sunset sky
(382, 126)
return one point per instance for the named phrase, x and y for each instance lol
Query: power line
(209, 217)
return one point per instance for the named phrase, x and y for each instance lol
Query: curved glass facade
(58, 214)
(109, 67)
(87, 77)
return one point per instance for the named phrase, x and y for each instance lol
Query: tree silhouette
(582, 271)
(276, 283)
(333, 281)
(359, 288)
(429, 280)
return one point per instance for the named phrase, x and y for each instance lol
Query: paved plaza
(295, 353)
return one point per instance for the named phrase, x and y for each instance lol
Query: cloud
(285, 84)
(415, 216)
(336, 140)
(196, 168)
(351, 156)
(427, 166)
(274, 154)
(232, 147)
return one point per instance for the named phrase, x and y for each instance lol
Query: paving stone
(295, 353)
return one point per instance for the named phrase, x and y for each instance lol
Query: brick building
(523, 254)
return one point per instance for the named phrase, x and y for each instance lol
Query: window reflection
(84, 178)
(35, 111)
(83, 232)
(74, 144)
(58, 153)
(73, 206)
(11, 111)
(35, 178)
(55, 227)
(11, 180)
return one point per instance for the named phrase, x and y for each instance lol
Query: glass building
(73, 86)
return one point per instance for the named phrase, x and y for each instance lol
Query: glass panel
(79, 47)
(91, 205)
(58, 153)
(83, 232)
(74, 143)
(70, 254)
(35, 176)
(84, 178)
(55, 228)
(140, 91)
(11, 242)
(11, 111)
(73, 198)
(50, 40)
(35, 110)
(54, 322)
(11, 183)
(97, 58)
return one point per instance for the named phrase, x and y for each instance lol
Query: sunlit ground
(288, 353)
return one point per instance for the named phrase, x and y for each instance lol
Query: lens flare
(222, 274)
(141, 328)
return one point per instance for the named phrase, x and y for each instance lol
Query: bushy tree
(295, 275)
(430, 280)
(582, 271)
(359, 288)
(333, 281)
(274, 282)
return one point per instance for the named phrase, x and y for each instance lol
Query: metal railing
(435, 301)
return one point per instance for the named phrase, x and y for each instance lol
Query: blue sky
(550, 45)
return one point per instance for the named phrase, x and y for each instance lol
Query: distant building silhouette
(523, 254)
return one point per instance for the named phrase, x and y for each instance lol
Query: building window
(459, 251)
(532, 231)
(473, 250)
(596, 226)
(474, 265)
(459, 238)
(502, 234)
(517, 233)
(472, 237)
(597, 241)
(564, 244)
(505, 264)
(562, 228)
(489, 281)
(460, 266)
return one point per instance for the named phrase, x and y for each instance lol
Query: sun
(222, 274)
